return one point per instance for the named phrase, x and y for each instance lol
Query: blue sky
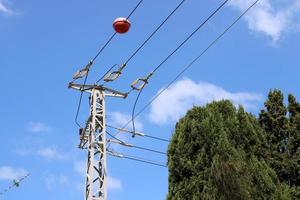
(42, 43)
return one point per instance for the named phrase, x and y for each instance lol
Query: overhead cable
(119, 141)
(119, 155)
(87, 68)
(109, 40)
(190, 65)
(138, 133)
(170, 55)
(16, 183)
(154, 32)
(145, 42)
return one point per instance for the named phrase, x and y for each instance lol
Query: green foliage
(274, 121)
(282, 126)
(218, 152)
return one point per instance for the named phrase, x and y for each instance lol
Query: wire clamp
(83, 72)
(140, 83)
(115, 74)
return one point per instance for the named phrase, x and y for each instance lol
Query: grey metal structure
(93, 138)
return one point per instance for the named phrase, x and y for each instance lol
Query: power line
(170, 55)
(146, 41)
(119, 141)
(154, 32)
(93, 60)
(189, 65)
(137, 133)
(16, 183)
(110, 39)
(79, 102)
(119, 155)
(157, 138)
(191, 35)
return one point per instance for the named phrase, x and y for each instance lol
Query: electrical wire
(93, 60)
(80, 101)
(143, 135)
(190, 65)
(110, 39)
(170, 55)
(150, 150)
(190, 36)
(133, 111)
(134, 146)
(154, 32)
(149, 37)
(156, 138)
(103, 76)
(15, 184)
(118, 155)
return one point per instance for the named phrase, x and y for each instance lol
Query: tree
(217, 152)
(294, 120)
(282, 127)
(274, 121)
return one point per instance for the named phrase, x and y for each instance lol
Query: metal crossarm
(89, 89)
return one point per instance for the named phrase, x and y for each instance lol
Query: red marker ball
(121, 25)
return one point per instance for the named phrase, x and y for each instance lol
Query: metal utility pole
(93, 138)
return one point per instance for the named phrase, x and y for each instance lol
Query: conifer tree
(282, 127)
(217, 152)
(274, 121)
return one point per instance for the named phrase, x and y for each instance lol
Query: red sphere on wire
(121, 25)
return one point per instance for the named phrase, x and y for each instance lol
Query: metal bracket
(115, 74)
(83, 72)
(140, 83)
(118, 142)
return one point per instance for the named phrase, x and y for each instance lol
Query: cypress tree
(217, 152)
(274, 121)
(282, 127)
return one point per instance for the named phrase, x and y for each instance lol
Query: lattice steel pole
(93, 138)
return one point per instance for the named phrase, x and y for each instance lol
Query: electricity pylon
(93, 138)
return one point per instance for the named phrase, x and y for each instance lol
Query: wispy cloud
(120, 119)
(53, 181)
(80, 167)
(4, 8)
(10, 173)
(38, 127)
(113, 183)
(51, 153)
(176, 100)
(272, 18)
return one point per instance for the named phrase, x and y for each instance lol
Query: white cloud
(48, 153)
(120, 119)
(113, 184)
(38, 127)
(272, 18)
(10, 173)
(176, 100)
(80, 167)
(51, 153)
(53, 181)
(4, 9)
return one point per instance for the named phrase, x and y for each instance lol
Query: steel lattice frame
(93, 138)
(96, 183)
